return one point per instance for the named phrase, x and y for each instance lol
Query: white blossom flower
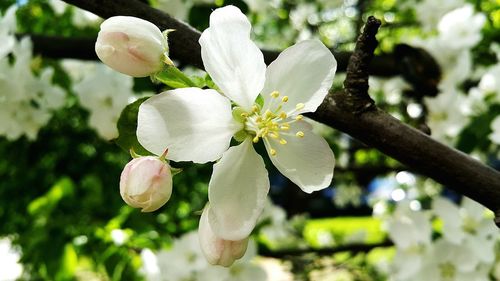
(462, 27)
(445, 117)
(197, 125)
(450, 262)
(7, 29)
(26, 101)
(104, 93)
(80, 18)
(495, 127)
(467, 226)
(411, 233)
(181, 262)
(430, 12)
(9, 259)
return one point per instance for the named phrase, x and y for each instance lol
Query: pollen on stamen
(255, 139)
(274, 135)
(244, 115)
(283, 141)
(255, 108)
(284, 99)
(283, 115)
(299, 117)
(275, 94)
(273, 152)
(300, 134)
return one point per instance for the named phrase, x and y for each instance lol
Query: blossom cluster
(27, 100)
(253, 103)
(465, 249)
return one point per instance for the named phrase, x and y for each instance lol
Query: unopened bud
(218, 251)
(132, 46)
(146, 182)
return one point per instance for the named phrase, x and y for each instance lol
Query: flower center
(271, 122)
(447, 271)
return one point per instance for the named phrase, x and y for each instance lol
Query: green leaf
(127, 126)
(69, 262)
(46, 203)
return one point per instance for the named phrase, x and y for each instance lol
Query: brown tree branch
(83, 48)
(370, 125)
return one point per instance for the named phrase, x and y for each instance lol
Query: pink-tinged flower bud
(132, 46)
(146, 182)
(218, 251)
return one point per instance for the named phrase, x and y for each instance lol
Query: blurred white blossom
(430, 12)
(7, 29)
(27, 101)
(104, 93)
(461, 27)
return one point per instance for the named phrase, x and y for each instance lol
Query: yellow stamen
(255, 108)
(284, 99)
(300, 134)
(273, 152)
(274, 135)
(283, 115)
(299, 117)
(299, 106)
(244, 115)
(283, 141)
(275, 94)
(256, 139)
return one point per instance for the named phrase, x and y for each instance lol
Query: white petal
(194, 124)
(306, 161)
(237, 192)
(233, 61)
(304, 73)
(217, 250)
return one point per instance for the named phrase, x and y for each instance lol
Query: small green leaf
(127, 126)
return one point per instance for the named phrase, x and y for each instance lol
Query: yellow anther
(274, 135)
(244, 115)
(273, 152)
(283, 115)
(255, 108)
(299, 106)
(275, 94)
(269, 114)
(285, 127)
(258, 119)
(300, 134)
(256, 139)
(284, 99)
(299, 117)
(283, 141)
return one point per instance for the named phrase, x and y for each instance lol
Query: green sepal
(173, 77)
(237, 114)
(260, 101)
(240, 136)
(175, 171)
(127, 127)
